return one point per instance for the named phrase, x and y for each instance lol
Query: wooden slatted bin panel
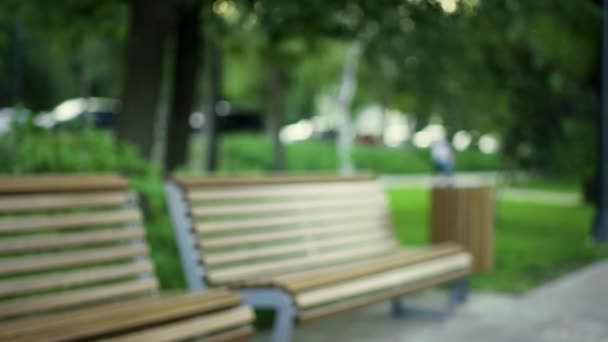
(69, 241)
(465, 214)
(251, 228)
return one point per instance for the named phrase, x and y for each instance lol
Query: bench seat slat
(285, 205)
(230, 181)
(194, 327)
(310, 279)
(72, 298)
(239, 224)
(54, 260)
(340, 242)
(22, 203)
(359, 227)
(197, 195)
(236, 335)
(110, 323)
(72, 278)
(35, 243)
(67, 221)
(12, 185)
(227, 275)
(118, 317)
(310, 315)
(385, 280)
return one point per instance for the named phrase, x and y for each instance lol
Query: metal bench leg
(457, 294)
(281, 303)
(284, 320)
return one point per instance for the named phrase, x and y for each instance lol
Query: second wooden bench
(308, 247)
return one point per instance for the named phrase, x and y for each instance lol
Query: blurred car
(98, 112)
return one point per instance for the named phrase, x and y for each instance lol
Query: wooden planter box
(465, 214)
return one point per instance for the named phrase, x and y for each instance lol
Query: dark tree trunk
(276, 109)
(149, 24)
(17, 74)
(214, 94)
(186, 63)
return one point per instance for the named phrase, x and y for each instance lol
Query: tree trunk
(17, 65)
(214, 94)
(348, 88)
(383, 117)
(149, 24)
(186, 64)
(276, 109)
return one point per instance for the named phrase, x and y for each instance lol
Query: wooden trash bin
(465, 214)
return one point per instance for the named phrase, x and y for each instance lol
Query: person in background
(442, 156)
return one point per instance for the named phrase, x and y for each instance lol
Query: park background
(146, 88)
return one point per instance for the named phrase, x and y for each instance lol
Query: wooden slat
(94, 324)
(193, 181)
(314, 231)
(292, 264)
(67, 221)
(193, 327)
(19, 307)
(278, 206)
(104, 313)
(54, 260)
(310, 315)
(277, 191)
(35, 243)
(73, 278)
(328, 275)
(312, 246)
(237, 335)
(61, 183)
(30, 202)
(294, 219)
(386, 280)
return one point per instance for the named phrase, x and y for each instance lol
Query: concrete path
(571, 309)
(425, 181)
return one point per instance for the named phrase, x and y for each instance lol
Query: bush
(28, 149)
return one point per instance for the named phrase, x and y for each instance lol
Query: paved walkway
(560, 198)
(571, 309)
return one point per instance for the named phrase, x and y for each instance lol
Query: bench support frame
(457, 294)
(281, 302)
(186, 239)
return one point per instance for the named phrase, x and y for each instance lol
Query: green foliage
(28, 149)
(535, 243)
(159, 233)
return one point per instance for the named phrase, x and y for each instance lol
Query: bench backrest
(247, 228)
(66, 241)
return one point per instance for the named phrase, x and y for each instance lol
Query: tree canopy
(525, 70)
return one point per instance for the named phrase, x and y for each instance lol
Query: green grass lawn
(534, 243)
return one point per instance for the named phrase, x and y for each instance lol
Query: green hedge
(252, 153)
(30, 150)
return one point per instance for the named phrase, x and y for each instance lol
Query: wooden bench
(74, 265)
(308, 247)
